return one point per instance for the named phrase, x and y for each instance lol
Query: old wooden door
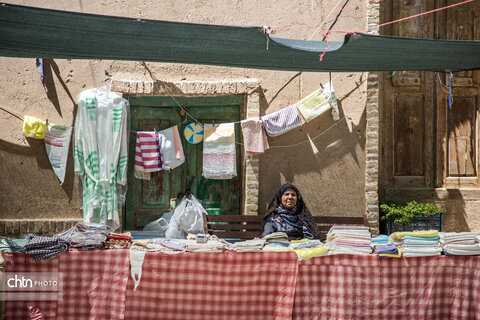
(147, 200)
(425, 145)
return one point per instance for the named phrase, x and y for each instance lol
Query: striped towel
(282, 121)
(57, 143)
(147, 155)
(219, 157)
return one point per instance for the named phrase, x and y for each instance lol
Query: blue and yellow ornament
(193, 133)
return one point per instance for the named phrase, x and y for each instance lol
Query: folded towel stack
(349, 240)
(460, 243)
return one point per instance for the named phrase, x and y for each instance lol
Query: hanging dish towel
(282, 121)
(147, 155)
(34, 128)
(171, 148)
(219, 158)
(319, 102)
(137, 255)
(254, 137)
(57, 143)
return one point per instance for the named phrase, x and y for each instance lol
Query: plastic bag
(161, 224)
(187, 218)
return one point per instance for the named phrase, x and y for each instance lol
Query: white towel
(137, 255)
(57, 143)
(219, 156)
(171, 148)
(254, 137)
(319, 102)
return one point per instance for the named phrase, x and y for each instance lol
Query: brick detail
(44, 227)
(372, 131)
(247, 87)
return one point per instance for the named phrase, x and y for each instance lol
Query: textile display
(34, 128)
(100, 152)
(254, 137)
(94, 285)
(232, 46)
(240, 286)
(147, 155)
(318, 102)
(57, 144)
(282, 121)
(171, 148)
(365, 287)
(45, 248)
(219, 155)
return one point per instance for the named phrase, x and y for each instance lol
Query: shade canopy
(30, 32)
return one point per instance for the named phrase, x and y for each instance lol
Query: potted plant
(410, 216)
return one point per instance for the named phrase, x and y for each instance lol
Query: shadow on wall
(455, 218)
(328, 167)
(50, 67)
(28, 166)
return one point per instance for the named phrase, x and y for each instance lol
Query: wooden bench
(232, 226)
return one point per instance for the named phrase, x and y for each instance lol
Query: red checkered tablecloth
(365, 287)
(94, 285)
(214, 286)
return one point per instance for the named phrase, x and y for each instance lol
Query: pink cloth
(254, 137)
(147, 155)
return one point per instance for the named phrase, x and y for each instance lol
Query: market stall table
(97, 284)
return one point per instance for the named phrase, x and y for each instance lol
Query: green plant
(402, 213)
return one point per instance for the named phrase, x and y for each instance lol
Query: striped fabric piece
(147, 155)
(219, 157)
(282, 121)
(57, 143)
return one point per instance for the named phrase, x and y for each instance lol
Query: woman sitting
(288, 213)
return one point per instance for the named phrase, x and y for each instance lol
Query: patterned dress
(100, 152)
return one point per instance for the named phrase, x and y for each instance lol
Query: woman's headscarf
(300, 209)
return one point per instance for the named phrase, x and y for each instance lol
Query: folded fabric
(305, 244)
(171, 148)
(418, 251)
(282, 121)
(254, 137)
(57, 144)
(435, 238)
(306, 253)
(219, 155)
(34, 128)
(423, 234)
(462, 250)
(319, 102)
(391, 255)
(45, 248)
(380, 239)
(147, 154)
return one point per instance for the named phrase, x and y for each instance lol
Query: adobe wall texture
(329, 167)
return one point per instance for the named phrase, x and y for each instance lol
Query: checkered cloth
(94, 285)
(45, 248)
(214, 286)
(365, 287)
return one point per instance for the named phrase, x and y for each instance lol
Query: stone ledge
(42, 227)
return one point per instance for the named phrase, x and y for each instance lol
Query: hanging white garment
(100, 152)
(137, 255)
(57, 143)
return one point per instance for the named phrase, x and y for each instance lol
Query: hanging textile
(57, 143)
(319, 102)
(147, 155)
(171, 148)
(254, 137)
(282, 121)
(34, 128)
(100, 152)
(219, 157)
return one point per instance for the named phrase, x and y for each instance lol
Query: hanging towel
(171, 148)
(137, 255)
(57, 143)
(282, 121)
(147, 155)
(254, 137)
(319, 102)
(219, 158)
(34, 128)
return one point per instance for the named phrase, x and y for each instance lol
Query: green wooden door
(149, 199)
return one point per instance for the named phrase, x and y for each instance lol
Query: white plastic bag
(161, 224)
(187, 218)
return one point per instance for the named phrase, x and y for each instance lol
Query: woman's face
(289, 198)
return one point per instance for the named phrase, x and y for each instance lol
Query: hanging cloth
(57, 143)
(100, 152)
(171, 148)
(147, 155)
(319, 102)
(281, 121)
(137, 255)
(254, 137)
(219, 157)
(34, 128)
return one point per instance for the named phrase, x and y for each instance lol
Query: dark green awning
(32, 32)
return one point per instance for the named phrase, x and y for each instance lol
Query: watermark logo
(32, 286)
